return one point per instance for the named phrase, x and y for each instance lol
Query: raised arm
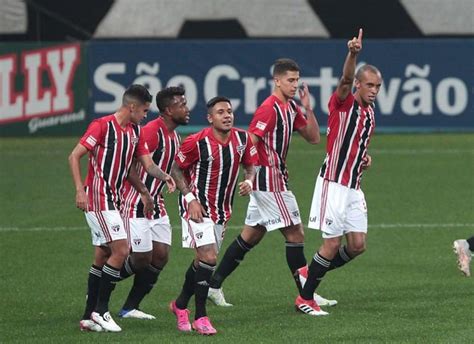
(195, 210)
(348, 72)
(310, 131)
(75, 165)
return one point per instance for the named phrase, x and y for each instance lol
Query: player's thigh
(272, 210)
(197, 234)
(106, 226)
(140, 234)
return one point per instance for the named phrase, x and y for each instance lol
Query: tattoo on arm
(179, 179)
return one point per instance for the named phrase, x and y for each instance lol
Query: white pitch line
(178, 227)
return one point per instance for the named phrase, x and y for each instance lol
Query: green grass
(404, 289)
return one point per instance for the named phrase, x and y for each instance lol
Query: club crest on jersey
(240, 149)
(210, 159)
(328, 222)
(137, 241)
(115, 228)
(199, 235)
(134, 140)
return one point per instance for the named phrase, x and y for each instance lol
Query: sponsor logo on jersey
(91, 140)
(261, 125)
(181, 156)
(253, 151)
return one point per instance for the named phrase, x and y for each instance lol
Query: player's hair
(213, 101)
(136, 93)
(283, 65)
(366, 68)
(164, 98)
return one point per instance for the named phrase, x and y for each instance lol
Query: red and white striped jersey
(111, 151)
(274, 122)
(350, 127)
(163, 146)
(213, 169)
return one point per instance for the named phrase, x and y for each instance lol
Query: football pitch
(405, 288)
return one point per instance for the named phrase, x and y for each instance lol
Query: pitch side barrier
(58, 89)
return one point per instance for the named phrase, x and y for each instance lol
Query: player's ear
(209, 118)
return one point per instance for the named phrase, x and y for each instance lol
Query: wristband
(189, 197)
(249, 182)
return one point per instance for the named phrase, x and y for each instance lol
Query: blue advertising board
(428, 84)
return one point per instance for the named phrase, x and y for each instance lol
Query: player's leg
(101, 254)
(294, 248)
(115, 236)
(463, 249)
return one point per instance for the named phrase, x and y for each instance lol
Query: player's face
(138, 112)
(368, 86)
(287, 83)
(179, 110)
(221, 116)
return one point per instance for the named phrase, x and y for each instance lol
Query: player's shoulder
(268, 103)
(336, 103)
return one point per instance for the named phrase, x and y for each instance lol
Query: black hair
(137, 93)
(213, 101)
(283, 65)
(165, 96)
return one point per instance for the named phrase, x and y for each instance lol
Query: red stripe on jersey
(163, 146)
(274, 123)
(103, 226)
(109, 160)
(350, 127)
(213, 169)
(283, 209)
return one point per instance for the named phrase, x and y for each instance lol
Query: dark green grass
(405, 288)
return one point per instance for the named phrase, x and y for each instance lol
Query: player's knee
(357, 248)
(160, 259)
(141, 260)
(252, 235)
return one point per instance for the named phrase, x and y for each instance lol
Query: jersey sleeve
(187, 154)
(300, 119)
(142, 147)
(250, 156)
(151, 138)
(93, 135)
(263, 121)
(335, 103)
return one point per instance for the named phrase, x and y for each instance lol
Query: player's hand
(245, 188)
(170, 183)
(304, 96)
(366, 162)
(81, 200)
(148, 204)
(355, 44)
(196, 211)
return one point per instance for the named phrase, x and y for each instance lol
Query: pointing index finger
(360, 34)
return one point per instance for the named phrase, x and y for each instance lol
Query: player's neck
(221, 136)
(169, 123)
(122, 117)
(360, 101)
(277, 93)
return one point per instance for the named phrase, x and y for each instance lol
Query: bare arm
(136, 182)
(245, 187)
(75, 165)
(310, 132)
(348, 72)
(153, 170)
(195, 210)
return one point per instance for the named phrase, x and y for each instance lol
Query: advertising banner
(43, 89)
(428, 84)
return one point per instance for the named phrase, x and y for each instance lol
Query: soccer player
(463, 249)
(150, 236)
(272, 205)
(112, 142)
(338, 207)
(206, 170)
